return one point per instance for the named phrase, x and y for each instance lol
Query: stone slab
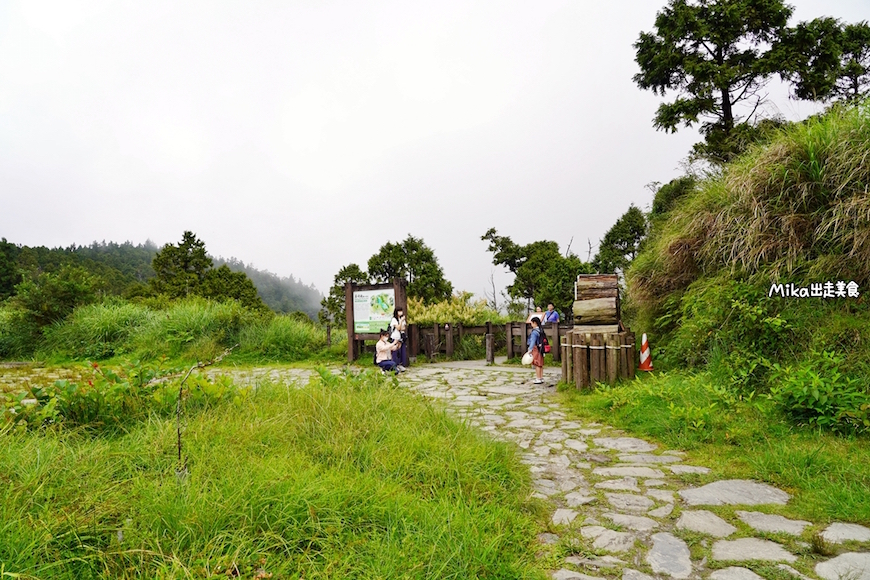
(565, 574)
(576, 499)
(751, 549)
(564, 516)
(662, 512)
(624, 484)
(772, 523)
(637, 523)
(683, 469)
(630, 471)
(576, 445)
(629, 574)
(608, 540)
(837, 533)
(648, 458)
(669, 556)
(627, 444)
(848, 566)
(662, 495)
(734, 492)
(734, 573)
(629, 502)
(705, 522)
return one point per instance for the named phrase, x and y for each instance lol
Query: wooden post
(352, 347)
(569, 357)
(579, 359)
(489, 327)
(448, 337)
(436, 337)
(460, 332)
(508, 328)
(554, 340)
(328, 334)
(413, 340)
(612, 356)
(583, 362)
(624, 358)
(430, 347)
(525, 345)
(632, 354)
(562, 346)
(594, 364)
(490, 348)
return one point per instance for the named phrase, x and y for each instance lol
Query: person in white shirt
(398, 335)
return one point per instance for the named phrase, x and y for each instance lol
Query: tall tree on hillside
(333, 305)
(541, 273)
(827, 60)
(414, 261)
(715, 54)
(9, 274)
(180, 269)
(620, 244)
(221, 283)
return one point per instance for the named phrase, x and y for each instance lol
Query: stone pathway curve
(621, 506)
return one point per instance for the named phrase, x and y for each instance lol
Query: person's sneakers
(401, 368)
(539, 381)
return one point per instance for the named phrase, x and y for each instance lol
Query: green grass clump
(97, 331)
(283, 338)
(345, 477)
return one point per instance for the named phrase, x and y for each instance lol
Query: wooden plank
(490, 348)
(436, 336)
(632, 353)
(597, 311)
(597, 281)
(612, 356)
(569, 358)
(553, 337)
(596, 359)
(352, 351)
(583, 362)
(508, 328)
(590, 293)
(562, 347)
(584, 328)
(448, 338)
(459, 331)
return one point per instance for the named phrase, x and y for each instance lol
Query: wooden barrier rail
(596, 357)
(444, 337)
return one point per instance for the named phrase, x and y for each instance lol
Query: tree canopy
(714, 53)
(414, 261)
(621, 242)
(186, 269)
(541, 273)
(334, 302)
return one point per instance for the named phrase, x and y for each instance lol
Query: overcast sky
(300, 136)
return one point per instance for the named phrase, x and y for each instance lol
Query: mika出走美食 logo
(838, 289)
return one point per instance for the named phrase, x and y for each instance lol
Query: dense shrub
(460, 308)
(98, 331)
(284, 337)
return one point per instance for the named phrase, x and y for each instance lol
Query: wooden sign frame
(354, 340)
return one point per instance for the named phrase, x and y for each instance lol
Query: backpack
(543, 343)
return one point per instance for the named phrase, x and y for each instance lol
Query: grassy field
(739, 437)
(346, 477)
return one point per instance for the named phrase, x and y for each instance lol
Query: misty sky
(302, 135)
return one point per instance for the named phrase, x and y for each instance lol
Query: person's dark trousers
(400, 356)
(388, 365)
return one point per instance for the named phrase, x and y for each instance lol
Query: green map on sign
(382, 304)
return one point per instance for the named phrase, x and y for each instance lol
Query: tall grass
(797, 207)
(98, 331)
(194, 328)
(346, 477)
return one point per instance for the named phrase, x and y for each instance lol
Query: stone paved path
(622, 507)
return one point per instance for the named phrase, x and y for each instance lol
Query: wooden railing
(444, 337)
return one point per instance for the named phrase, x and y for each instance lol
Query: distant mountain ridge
(126, 266)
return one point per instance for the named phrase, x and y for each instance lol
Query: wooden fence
(445, 337)
(597, 357)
